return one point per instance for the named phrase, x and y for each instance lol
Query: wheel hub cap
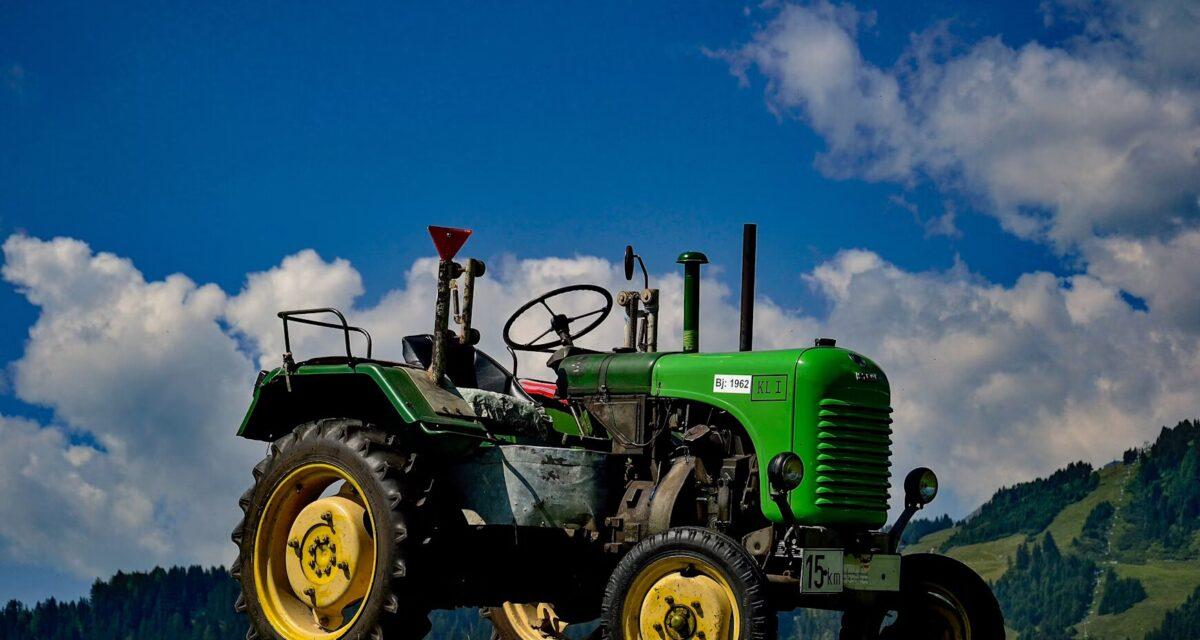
(327, 545)
(681, 622)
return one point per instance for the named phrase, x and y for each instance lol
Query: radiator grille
(854, 449)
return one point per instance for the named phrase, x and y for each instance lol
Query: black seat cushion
(466, 366)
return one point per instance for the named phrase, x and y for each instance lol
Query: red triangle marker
(448, 240)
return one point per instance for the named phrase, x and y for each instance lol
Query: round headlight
(921, 486)
(786, 471)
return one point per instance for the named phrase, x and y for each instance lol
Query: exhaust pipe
(749, 255)
(691, 261)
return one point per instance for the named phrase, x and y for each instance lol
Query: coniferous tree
(1120, 594)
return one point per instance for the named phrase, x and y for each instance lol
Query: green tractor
(670, 495)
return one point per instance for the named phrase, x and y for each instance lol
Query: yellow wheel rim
(681, 597)
(949, 614)
(516, 621)
(940, 615)
(314, 556)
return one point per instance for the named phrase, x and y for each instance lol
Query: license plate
(821, 571)
(872, 572)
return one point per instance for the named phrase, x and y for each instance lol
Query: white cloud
(1152, 39)
(995, 384)
(1058, 144)
(992, 384)
(144, 368)
(1092, 147)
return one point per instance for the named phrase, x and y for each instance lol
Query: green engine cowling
(828, 405)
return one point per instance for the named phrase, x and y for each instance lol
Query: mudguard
(390, 396)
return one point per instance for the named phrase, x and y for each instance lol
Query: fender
(391, 396)
(662, 503)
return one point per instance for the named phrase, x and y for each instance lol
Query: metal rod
(650, 299)
(291, 316)
(447, 271)
(749, 255)
(467, 335)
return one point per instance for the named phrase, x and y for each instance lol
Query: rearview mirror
(629, 262)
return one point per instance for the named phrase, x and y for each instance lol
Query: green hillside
(1133, 525)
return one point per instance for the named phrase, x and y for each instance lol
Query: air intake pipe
(691, 261)
(749, 254)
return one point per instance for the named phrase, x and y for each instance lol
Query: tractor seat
(466, 366)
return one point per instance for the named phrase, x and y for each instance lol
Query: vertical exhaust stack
(691, 261)
(749, 255)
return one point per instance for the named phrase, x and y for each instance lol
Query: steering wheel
(560, 324)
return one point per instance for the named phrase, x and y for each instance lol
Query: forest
(1165, 507)
(1044, 591)
(1027, 507)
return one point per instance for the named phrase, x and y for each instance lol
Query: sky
(996, 201)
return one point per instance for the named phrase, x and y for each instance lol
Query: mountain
(1094, 553)
(1110, 553)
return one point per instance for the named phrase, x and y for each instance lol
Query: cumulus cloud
(1060, 144)
(995, 384)
(147, 380)
(142, 370)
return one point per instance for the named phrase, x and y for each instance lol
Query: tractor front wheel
(687, 583)
(328, 535)
(942, 599)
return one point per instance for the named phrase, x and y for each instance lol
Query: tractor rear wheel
(942, 599)
(331, 524)
(687, 583)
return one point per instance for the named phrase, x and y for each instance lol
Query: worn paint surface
(535, 486)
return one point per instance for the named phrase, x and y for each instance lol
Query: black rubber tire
(738, 567)
(394, 490)
(923, 573)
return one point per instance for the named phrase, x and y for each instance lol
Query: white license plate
(822, 570)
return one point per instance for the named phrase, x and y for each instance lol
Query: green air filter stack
(691, 261)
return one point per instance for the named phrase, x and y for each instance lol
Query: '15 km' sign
(759, 388)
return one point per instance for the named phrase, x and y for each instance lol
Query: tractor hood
(828, 405)
(794, 400)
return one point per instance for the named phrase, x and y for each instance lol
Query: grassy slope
(1168, 583)
(1067, 526)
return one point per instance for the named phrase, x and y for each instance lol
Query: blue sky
(215, 140)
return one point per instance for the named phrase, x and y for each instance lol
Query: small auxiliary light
(920, 487)
(785, 471)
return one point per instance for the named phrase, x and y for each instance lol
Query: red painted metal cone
(448, 240)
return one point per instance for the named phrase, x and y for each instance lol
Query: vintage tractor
(671, 495)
